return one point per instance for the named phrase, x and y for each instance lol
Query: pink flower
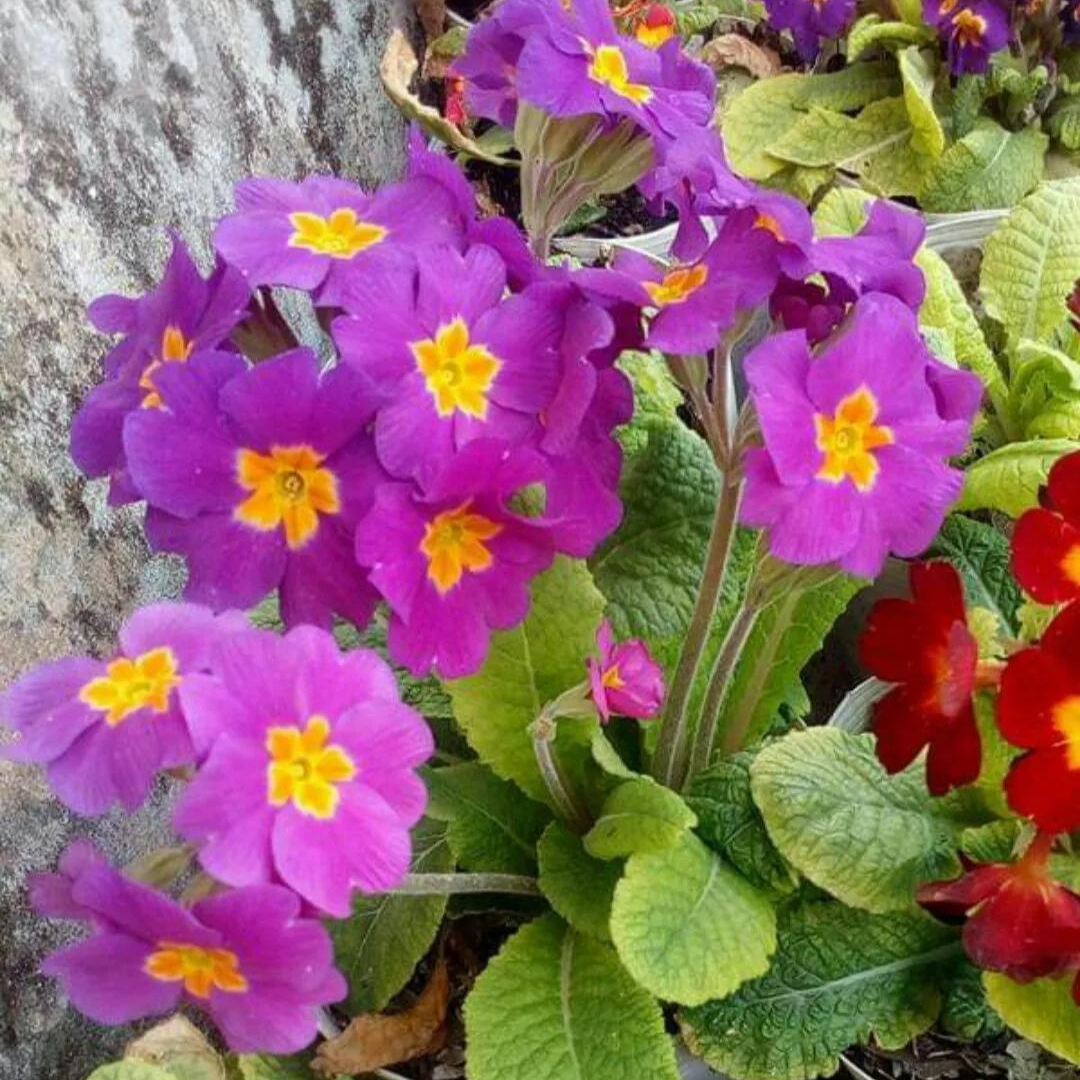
(625, 680)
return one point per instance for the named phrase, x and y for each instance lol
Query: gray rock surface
(119, 118)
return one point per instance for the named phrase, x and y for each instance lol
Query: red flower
(1046, 543)
(924, 646)
(1024, 923)
(1039, 710)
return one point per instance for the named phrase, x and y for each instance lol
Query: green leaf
(1008, 479)
(656, 399)
(492, 826)
(558, 1002)
(731, 824)
(981, 554)
(179, 1048)
(872, 32)
(864, 836)
(265, 1067)
(839, 975)
(988, 168)
(896, 166)
(842, 212)
(379, 946)
(130, 1070)
(639, 816)
(918, 73)
(650, 569)
(965, 1012)
(688, 927)
(851, 87)
(1031, 262)
(528, 667)
(579, 887)
(1064, 123)
(1044, 394)
(1042, 1011)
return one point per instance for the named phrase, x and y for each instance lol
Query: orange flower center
(455, 541)
(609, 68)
(305, 771)
(677, 285)
(458, 374)
(1066, 718)
(1070, 565)
(612, 678)
(128, 685)
(848, 441)
(968, 27)
(201, 970)
(341, 235)
(769, 224)
(175, 349)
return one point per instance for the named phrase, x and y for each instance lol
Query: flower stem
(443, 884)
(567, 803)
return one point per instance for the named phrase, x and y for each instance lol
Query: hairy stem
(567, 804)
(444, 884)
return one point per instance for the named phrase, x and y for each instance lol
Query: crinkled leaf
(639, 816)
(824, 137)
(1008, 479)
(656, 398)
(130, 1070)
(1042, 1011)
(965, 1012)
(560, 1002)
(864, 836)
(918, 73)
(579, 887)
(1064, 123)
(839, 975)
(873, 32)
(731, 824)
(491, 826)
(528, 667)
(1044, 394)
(265, 1067)
(989, 167)
(688, 927)
(852, 86)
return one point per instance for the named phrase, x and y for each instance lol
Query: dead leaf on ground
(432, 16)
(177, 1046)
(375, 1040)
(730, 50)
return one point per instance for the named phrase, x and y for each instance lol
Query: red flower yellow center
(458, 374)
(175, 349)
(609, 68)
(656, 27)
(677, 285)
(305, 771)
(848, 441)
(289, 488)
(341, 235)
(1070, 565)
(968, 28)
(1066, 718)
(201, 970)
(128, 685)
(455, 541)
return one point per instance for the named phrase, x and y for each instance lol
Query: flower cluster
(971, 31)
(810, 21)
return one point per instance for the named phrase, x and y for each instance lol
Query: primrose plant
(472, 608)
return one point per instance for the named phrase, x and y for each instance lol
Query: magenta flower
(972, 31)
(450, 358)
(855, 440)
(455, 565)
(104, 729)
(246, 957)
(257, 478)
(810, 21)
(181, 317)
(625, 679)
(323, 232)
(309, 777)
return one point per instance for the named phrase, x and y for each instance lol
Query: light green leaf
(528, 667)
(265, 1067)
(638, 816)
(1064, 123)
(379, 946)
(864, 836)
(492, 826)
(1044, 394)
(823, 137)
(650, 569)
(130, 1070)
(656, 398)
(918, 73)
(896, 166)
(1042, 1011)
(872, 32)
(578, 886)
(989, 167)
(842, 212)
(731, 824)
(1008, 479)
(562, 999)
(839, 975)
(851, 87)
(1031, 262)
(688, 927)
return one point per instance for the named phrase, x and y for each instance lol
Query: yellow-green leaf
(1042, 1011)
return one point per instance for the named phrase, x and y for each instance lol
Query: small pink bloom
(625, 680)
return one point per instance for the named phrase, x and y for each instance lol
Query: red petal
(895, 642)
(903, 727)
(1042, 541)
(939, 593)
(1064, 485)
(1033, 684)
(958, 897)
(1043, 787)
(1062, 639)
(955, 753)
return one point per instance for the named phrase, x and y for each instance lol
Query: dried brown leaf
(733, 50)
(177, 1046)
(374, 1040)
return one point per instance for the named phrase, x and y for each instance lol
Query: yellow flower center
(175, 349)
(677, 285)
(848, 441)
(129, 685)
(1066, 718)
(1070, 565)
(201, 970)
(770, 225)
(288, 488)
(612, 678)
(454, 541)
(304, 770)
(458, 374)
(654, 36)
(609, 68)
(341, 235)
(968, 27)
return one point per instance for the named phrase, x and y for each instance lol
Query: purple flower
(810, 21)
(450, 358)
(1070, 21)
(258, 477)
(245, 957)
(972, 31)
(181, 317)
(454, 565)
(855, 440)
(812, 307)
(323, 232)
(310, 773)
(104, 729)
(625, 680)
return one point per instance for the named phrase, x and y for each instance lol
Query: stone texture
(119, 118)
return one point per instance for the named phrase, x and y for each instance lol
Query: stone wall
(118, 119)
